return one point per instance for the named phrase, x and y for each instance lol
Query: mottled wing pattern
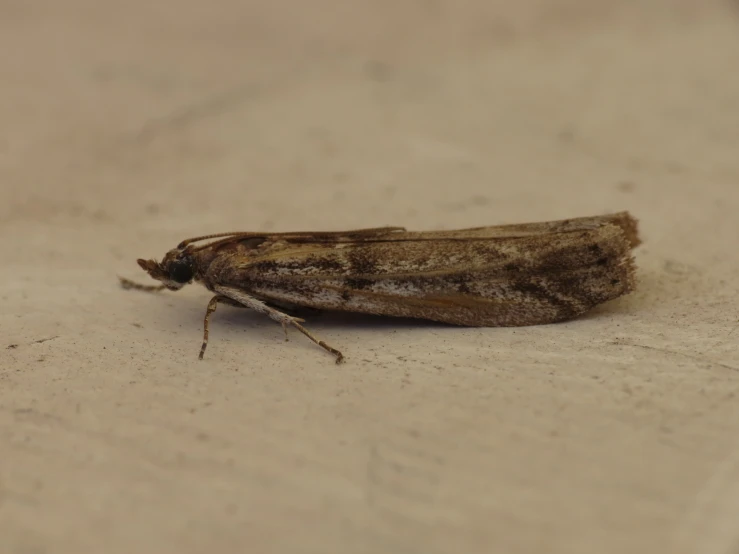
(506, 275)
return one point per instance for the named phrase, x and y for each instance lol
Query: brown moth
(506, 275)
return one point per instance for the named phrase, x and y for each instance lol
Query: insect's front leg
(238, 297)
(212, 305)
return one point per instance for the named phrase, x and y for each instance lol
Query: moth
(498, 276)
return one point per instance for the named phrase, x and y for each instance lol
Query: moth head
(176, 269)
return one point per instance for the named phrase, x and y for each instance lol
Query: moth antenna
(356, 232)
(185, 242)
(228, 238)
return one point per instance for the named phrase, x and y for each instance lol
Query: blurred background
(195, 117)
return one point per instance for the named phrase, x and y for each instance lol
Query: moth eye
(180, 271)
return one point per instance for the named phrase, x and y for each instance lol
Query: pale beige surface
(128, 126)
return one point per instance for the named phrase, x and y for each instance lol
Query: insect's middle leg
(240, 298)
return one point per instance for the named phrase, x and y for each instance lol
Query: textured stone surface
(129, 126)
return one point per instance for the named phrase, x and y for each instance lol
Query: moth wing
(519, 279)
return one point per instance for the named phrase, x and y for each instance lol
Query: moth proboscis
(498, 276)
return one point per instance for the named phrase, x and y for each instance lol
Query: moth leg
(212, 305)
(296, 311)
(283, 319)
(128, 284)
(284, 326)
(299, 327)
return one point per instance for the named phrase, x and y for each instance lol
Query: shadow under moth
(498, 276)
